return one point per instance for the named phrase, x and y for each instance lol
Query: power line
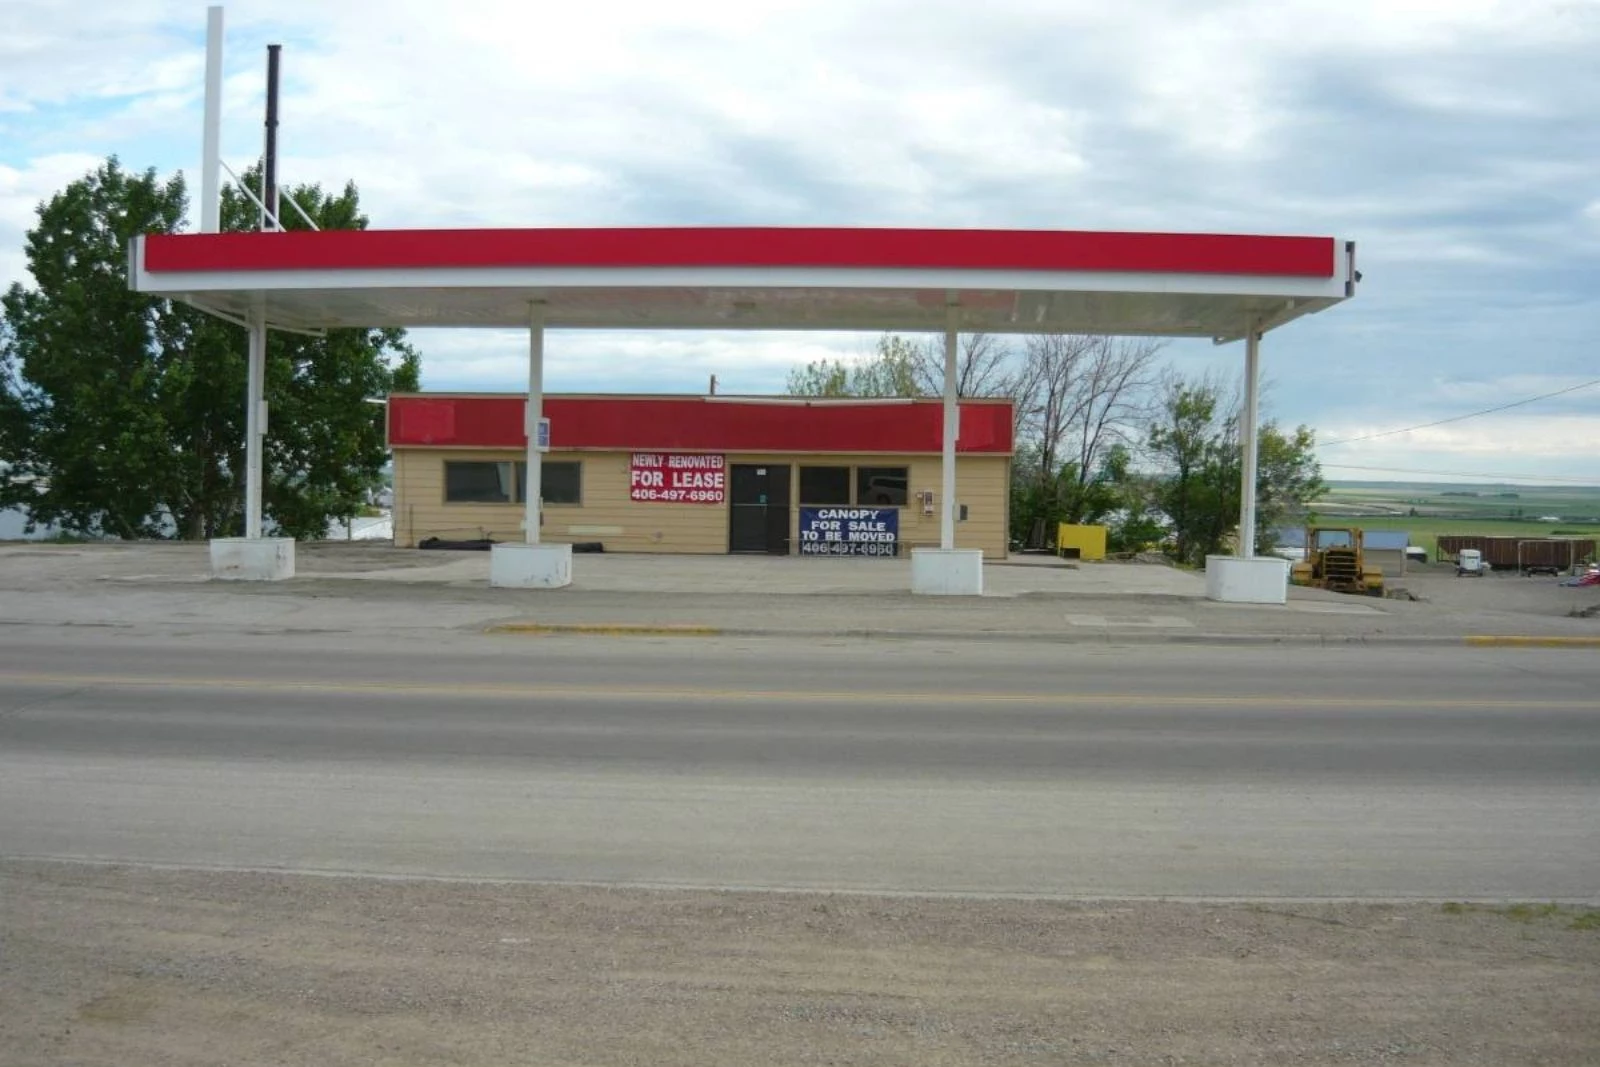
(1539, 478)
(1459, 418)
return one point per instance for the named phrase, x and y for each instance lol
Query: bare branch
(984, 366)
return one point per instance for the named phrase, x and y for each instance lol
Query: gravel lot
(122, 966)
(1438, 585)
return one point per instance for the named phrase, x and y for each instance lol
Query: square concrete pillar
(947, 572)
(252, 559)
(516, 566)
(1260, 580)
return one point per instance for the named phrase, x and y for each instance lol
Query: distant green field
(1425, 531)
(1426, 511)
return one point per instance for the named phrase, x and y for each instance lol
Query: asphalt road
(1141, 771)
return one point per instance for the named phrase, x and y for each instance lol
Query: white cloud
(1524, 447)
(21, 192)
(614, 362)
(1490, 392)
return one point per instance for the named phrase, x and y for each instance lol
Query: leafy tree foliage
(1195, 443)
(86, 388)
(1195, 440)
(1288, 478)
(900, 367)
(892, 370)
(123, 415)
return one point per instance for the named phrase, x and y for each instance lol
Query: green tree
(86, 360)
(325, 444)
(1288, 478)
(892, 370)
(1106, 496)
(128, 411)
(1195, 440)
(1195, 446)
(825, 377)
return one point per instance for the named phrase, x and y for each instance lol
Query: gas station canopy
(754, 278)
(1225, 287)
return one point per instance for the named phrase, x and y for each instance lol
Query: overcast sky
(1457, 142)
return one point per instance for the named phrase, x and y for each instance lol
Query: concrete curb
(1101, 637)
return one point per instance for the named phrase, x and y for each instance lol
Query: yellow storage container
(1081, 542)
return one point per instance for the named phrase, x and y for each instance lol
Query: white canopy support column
(952, 430)
(253, 557)
(948, 570)
(531, 564)
(533, 489)
(211, 140)
(255, 423)
(1245, 578)
(1249, 440)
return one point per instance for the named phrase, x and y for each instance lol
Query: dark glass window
(477, 482)
(825, 486)
(878, 487)
(559, 482)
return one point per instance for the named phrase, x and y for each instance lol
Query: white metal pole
(535, 413)
(1250, 419)
(255, 423)
(211, 141)
(947, 514)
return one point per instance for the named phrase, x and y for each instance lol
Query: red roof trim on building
(695, 424)
(746, 247)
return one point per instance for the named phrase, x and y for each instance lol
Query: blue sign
(849, 531)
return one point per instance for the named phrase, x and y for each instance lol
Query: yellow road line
(532, 690)
(602, 628)
(1498, 641)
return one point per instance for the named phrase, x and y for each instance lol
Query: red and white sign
(678, 478)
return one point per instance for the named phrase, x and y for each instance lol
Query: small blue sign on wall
(849, 531)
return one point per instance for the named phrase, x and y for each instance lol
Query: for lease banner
(678, 478)
(849, 531)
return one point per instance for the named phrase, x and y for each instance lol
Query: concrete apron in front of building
(789, 575)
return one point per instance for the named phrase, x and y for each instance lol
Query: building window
(559, 482)
(477, 482)
(882, 486)
(825, 486)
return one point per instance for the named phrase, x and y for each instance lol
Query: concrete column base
(514, 566)
(252, 559)
(947, 572)
(1260, 580)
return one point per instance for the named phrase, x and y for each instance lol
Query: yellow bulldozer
(1335, 560)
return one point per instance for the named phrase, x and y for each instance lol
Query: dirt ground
(125, 967)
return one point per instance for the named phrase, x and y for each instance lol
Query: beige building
(692, 474)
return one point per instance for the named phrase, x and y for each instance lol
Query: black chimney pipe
(269, 166)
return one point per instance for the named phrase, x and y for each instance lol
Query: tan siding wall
(607, 515)
(982, 483)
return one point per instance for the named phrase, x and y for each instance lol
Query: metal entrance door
(758, 519)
